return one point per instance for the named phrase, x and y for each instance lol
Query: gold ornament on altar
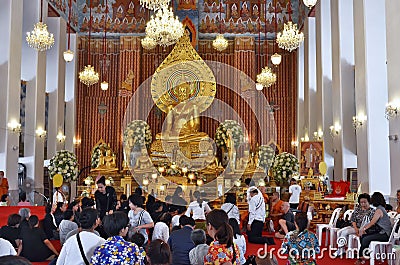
(183, 86)
(104, 157)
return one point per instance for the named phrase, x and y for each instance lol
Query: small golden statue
(210, 161)
(143, 162)
(107, 162)
(310, 172)
(245, 161)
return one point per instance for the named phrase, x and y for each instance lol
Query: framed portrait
(311, 154)
(352, 179)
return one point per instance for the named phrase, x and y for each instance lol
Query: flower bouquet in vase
(284, 167)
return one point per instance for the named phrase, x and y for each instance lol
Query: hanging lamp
(40, 38)
(88, 75)
(276, 58)
(220, 43)
(104, 84)
(267, 78)
(68, 54)
(259, 86)
(310, 3)
(290, 38)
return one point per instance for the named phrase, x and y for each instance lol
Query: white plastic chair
(334, 230)
(392, 214)
(327, 227)
(385, 247)
(354, 240)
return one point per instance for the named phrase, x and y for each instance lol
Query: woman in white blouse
(162, 228)
(230, 207)
(199, 208)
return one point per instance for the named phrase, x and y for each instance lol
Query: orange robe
(276, 209)
(3, 187)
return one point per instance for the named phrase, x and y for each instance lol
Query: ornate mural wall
(237, 16)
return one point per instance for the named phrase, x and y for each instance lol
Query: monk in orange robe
(3, 184)
(276, 209)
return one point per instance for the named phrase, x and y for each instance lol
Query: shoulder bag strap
(140, 217)
(230, 209)
(81, 249)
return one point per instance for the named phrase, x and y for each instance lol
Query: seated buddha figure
(210, 161)
(245, 161)
(107, 162)
(143, 162)
(182, 119)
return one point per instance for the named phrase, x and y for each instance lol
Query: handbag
(375, 229)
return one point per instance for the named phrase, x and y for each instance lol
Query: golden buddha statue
(210, 161)
(107, 162)
(182, 119)
(245, 161)
(143, 162)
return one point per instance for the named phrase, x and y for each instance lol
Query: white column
(55, 79)
(344, 142)
(324, 77)
(371, 96)
(393, 70)
(33, 70)
(10, 75)
(300, 101)
(310, 87)
(70, 85)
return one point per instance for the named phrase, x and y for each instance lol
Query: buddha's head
(210, 152)
(183, 91)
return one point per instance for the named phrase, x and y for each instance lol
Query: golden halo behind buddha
(183, 76)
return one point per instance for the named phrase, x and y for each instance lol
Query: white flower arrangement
(137, 133)
(97, 152)
(266, 155)
(65, 164)
(285, 166)
(221, 135)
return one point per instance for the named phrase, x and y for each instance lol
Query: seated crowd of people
(129, 231)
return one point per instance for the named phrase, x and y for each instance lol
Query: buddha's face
(183, 91)
(210, 152)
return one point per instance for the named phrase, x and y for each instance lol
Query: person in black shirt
(106, 198)
(286, 222)
(50, 224)
(177, 198)
(10, 232)
(25, 213)
(34, 243)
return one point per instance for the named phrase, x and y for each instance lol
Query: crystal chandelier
(164, 28)
(148, 43)
(310, 3)
(290, 38)
(39, 38)
(154, 4)
(220, 43)
(89, 76)
(266, 78)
